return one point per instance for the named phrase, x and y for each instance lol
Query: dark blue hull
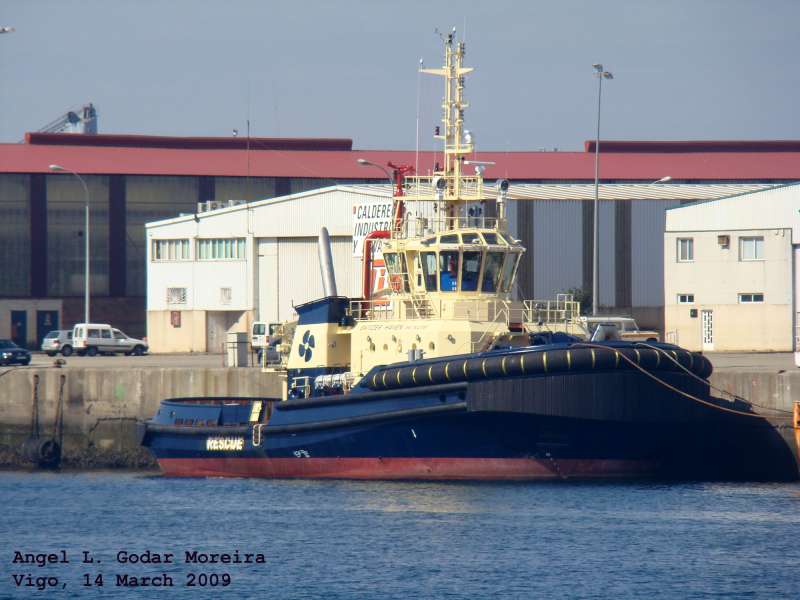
(604, 423)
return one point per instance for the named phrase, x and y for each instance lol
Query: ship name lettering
(235, 557)
(162, 580)
(227, 444)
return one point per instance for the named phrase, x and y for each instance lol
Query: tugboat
(447, 377)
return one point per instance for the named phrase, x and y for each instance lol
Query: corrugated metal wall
(608, 254)
(298, 271)
(557, 247)
(647, 256)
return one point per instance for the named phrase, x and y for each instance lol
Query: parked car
(11, 354)
(57, 341)
(94, 338)
(626, 327)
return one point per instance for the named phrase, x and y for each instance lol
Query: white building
(215, 272)
(219, 271)
(731, 272)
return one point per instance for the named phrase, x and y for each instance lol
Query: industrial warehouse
(134, 180)
(218, 271)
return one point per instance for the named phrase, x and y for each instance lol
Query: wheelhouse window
(448, 271)
(390, 259)
(452, 238)
(428, 260)
(751, 248)
(221, 249)
(492, 270)
(509, 270)
(398, 273)
(470, 269)
(685, 298)
(491, 238)
(685, 249)
(751, 298)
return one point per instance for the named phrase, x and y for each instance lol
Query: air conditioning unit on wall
(217, 204)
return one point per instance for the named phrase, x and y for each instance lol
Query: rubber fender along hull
(537, 362)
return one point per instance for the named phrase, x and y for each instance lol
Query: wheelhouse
(471, 262)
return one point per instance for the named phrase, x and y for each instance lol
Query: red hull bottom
(408, 468)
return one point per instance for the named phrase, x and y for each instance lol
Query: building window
(225, 295)
(751, 248)
(170, 250)
(220, 249)
(176, 295)
(751, 298)
(685, 298)
(685, 249)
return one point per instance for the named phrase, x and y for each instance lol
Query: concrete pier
(101, 405)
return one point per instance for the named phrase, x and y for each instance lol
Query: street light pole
(600, 74)
(58, 168)
(365, 163)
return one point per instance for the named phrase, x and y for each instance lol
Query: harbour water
(344, 539)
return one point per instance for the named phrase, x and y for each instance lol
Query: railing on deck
(419, 306)
(422, 223)
(469, 188)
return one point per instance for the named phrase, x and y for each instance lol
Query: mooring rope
(669, 386)
(711, 385)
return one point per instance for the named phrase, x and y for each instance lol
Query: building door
(46, 321)
(218, 324)
(707, 331)
(19, 327)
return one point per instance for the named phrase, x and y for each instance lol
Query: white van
(93, 338)
(264, 337)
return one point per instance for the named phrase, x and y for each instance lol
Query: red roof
(104, 154)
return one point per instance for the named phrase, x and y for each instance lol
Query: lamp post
(59, 168)
(365, 163)
(600, 74)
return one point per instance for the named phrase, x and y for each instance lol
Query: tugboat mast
(456, 147)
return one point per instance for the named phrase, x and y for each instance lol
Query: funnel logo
(307, 346)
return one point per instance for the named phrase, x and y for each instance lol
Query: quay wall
(102, 405)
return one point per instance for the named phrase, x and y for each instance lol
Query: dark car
(11, 354)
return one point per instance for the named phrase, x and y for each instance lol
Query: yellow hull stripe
(544, 361)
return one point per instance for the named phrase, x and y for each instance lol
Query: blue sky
(683, 69)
